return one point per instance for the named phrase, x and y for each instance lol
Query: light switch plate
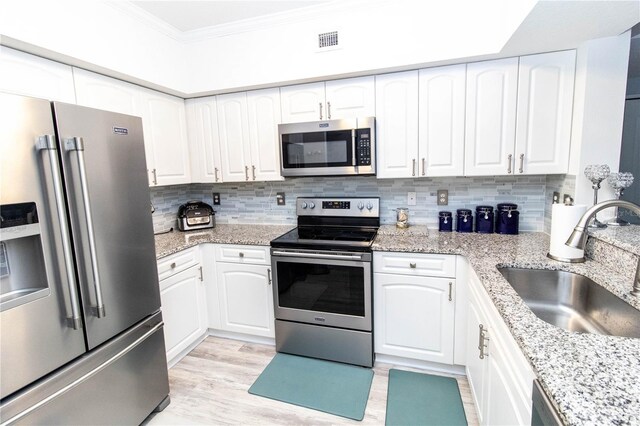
(411, 198)
(443, 197)
(280, 198)
(216, 198)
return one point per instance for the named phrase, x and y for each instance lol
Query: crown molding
(141, 15)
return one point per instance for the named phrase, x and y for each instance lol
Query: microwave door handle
(77, 144)
(354, 155)
(48, 143)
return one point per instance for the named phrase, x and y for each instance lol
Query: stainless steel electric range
(322, 280)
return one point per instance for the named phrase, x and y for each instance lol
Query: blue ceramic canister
(445, 221)
(464, 222)
(484, 219)
(507, 219)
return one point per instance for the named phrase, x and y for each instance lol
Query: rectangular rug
(423, 399)
(326, 386)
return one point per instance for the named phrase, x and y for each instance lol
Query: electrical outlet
(216, 198)
(280, 199)
(411, 198)
(567, 200)
(443, 197)
(556, 198)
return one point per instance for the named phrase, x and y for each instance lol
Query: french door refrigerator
(81, 332)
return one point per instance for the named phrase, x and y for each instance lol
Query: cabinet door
(165, 133)
(545, 102)
(246, 299)
(97, 91)
(397, 124)
(184, 310)
(477, 368)
(264, 117)
(204, 141)
(303, 103)
(441, 128)
(31, 75)
(491, 117)
(233, 125)
(351, 98)
(414, 317)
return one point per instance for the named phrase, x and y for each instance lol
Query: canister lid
(484, 209)
(444, 214)
(463, 211)
(505, 207)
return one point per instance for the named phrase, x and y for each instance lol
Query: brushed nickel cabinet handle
(450, 291)
(241, 254)
(215, 173)
(155, 177)
(201, 277)
(424, 169)
(253, 171)
(320, 104)
(413, 172)
(246, 172)
(412, 265)
(329, 110)
(173, 265)
(269, 275)
(509, 157)
(521, 170)
(482, 339)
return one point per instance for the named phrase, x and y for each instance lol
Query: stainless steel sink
(573, 302)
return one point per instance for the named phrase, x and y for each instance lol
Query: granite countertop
(624, 237)
(257, 235)
(592, 379)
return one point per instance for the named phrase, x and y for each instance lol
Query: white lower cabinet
(184, 309)
(499, 376)
(413, 314)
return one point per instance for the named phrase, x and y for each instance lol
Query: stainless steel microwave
(328, 148)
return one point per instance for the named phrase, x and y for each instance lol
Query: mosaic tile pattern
(564, 184)
(256, 203)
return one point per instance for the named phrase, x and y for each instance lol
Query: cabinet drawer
(432, 265)
(257, 255)
(177, 262)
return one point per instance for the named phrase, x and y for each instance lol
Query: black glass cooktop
(327, 236)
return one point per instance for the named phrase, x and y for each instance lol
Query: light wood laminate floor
(210, 384)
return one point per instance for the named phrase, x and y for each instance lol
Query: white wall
(601, 79)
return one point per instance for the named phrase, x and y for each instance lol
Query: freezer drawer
(121, 382)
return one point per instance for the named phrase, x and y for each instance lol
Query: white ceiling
(194, 15)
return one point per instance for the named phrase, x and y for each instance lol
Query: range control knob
(369, 206)
(303, 205)
(312, 205)
(360, 206)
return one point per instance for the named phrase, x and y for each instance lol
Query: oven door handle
(318, 255)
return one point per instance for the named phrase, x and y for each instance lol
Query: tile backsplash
(256, 202)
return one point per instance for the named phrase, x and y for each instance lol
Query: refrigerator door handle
(48, 143)
(77, 144)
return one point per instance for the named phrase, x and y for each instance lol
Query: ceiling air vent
(328, 39)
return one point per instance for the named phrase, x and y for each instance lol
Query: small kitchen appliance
(328, 148)
(322, 280)
(195, 215)
(464, 220)
(507, 219)
(484, 219)
(445, 221)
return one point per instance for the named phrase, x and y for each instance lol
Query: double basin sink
(573, 302)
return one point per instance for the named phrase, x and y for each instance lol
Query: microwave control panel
(363, 146)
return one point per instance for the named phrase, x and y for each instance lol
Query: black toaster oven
(195, 215)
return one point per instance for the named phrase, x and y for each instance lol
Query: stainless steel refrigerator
(81, 332)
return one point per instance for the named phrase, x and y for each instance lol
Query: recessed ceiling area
(194, 15)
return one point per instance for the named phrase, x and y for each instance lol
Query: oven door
(323, 288)
(318, 148)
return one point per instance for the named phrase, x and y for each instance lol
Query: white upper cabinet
(397, 124)
(165, 134)
(545, 101)
(97, 91)
(264, 116)
(348, 98)
(31, 75)
(441, 123)
(204, 141)
(233, 124)
(491, 117)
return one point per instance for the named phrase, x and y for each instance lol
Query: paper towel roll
(563, 220)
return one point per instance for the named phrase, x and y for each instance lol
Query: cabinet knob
(241, 254)
(412, 265)
(173, 265)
